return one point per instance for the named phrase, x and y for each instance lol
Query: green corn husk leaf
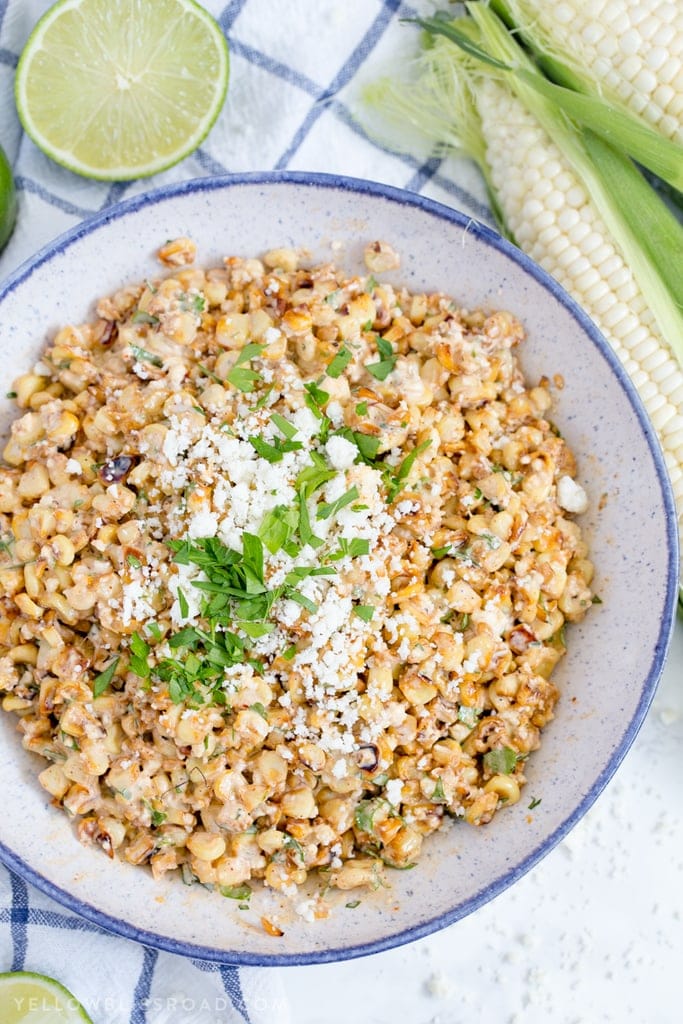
(616, 125)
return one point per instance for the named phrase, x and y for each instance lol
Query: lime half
(120, 89)
(27, 998)
(8, 200)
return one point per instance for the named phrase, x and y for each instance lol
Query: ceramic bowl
(615, 656)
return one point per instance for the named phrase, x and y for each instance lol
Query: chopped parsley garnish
(339, 363)
(102, 681)
(382, 369)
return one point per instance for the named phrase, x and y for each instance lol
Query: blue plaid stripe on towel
(297, 68)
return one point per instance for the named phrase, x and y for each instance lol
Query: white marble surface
(592, 935)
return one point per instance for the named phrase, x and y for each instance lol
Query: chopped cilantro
(143, 356)
(502, 760)
(438, 794)
(134, 561)
(241, 376)
(158, 818)
(330, 509)
(286, 428)
(182, 604)
(395, 478)
(339, 363)
(235, 892)
(141, 317)
(535, 801)
(362, 409)
(102, 681)
(364, 611)
(138, 657)
(469, 716)
(273, 452)
(351, 548)
(382, 369)
(441, 552)
(277, 527)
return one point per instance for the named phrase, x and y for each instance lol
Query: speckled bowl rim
(504, 881)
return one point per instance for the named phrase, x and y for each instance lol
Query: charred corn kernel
(12, 703)
(54, 781)
(282, 259)
(64, 429)
(62, 550)
(299, 803)
(505, 787)
(25, 654)
(178, 253)
(232, 331)
(27, 386)
(206, 845)
(380, 257)
(28, 607)
(416, 689)
(358, 871)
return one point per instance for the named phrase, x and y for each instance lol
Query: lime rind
(30, 61)
(8, 200)
(22, 991)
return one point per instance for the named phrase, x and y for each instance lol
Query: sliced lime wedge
(121, 89)
(8, 200)
(27, 998)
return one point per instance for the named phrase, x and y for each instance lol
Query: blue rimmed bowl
(615, 656)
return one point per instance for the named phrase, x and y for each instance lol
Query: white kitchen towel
(297, 71)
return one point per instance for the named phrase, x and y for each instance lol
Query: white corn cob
(553, 219)
(632, 49)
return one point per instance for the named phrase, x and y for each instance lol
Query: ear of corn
(628, 50)
(556, 203)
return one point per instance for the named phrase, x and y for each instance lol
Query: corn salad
(286, 561)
